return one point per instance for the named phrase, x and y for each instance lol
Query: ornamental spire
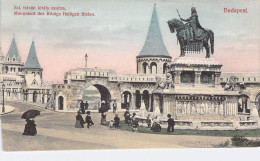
(154, 45)
(32, 60)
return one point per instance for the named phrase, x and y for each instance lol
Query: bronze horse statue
(204, 36)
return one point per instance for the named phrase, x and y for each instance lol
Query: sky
(116, 34)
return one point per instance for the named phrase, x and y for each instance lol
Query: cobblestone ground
(56, 132)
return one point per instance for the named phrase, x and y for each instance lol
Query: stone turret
(32, 68)
(154, 56)
(13, 63)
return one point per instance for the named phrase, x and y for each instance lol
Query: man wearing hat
(89, 120)
(116, 121)
(170, 123)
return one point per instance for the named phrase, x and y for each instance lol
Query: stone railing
(132, 78)
(206, 125)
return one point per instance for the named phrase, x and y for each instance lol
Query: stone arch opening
(145, 68)
(257, 101)
(34, 96)
(164, 68)
(94, 94)
(146, 99)
(153, 66)
(126, 98)
(138, 99)
(243, 104)
(60, 103)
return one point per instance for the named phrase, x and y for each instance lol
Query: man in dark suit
(116, 121)
(82, 109)
(170, 124)
(86, 105)
(89, 120)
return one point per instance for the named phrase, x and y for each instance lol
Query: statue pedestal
(195, 70)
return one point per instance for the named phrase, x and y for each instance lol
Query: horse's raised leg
(182, 48)
(206, 46)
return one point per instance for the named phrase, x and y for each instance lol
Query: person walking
(89, 120)
(79, 121)
(103, 118)
(114, 106)
(170, 123)
(116, 121)
(30, 127)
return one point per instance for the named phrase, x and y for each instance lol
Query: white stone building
(23, 82)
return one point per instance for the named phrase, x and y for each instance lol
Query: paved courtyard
(56, 132)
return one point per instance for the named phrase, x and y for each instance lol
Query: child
(116, 121)
(148, 121)
(111, 124)
(170, 124)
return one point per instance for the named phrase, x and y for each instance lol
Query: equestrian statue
(192, 36)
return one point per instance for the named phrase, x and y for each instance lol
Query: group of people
(131, 120)
(156, 127)
(80, 121)
(83, 107)
(151, 123)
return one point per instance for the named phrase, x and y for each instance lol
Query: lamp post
(3, 88)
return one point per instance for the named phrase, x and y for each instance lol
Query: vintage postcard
(101, 74)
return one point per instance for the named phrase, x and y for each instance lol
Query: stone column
(244, 105)
(156, 101)
(133, 101)
(150, 102)
(166, 104)
(197, 77)
(149, 70)
(177, 77)
(216, 78)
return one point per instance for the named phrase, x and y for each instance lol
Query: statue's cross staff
(178, 12)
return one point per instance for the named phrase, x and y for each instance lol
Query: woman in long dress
(79, 121)
(30, 128)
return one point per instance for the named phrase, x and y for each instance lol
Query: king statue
(192, 36)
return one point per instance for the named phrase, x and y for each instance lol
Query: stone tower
(86, 60)
(2, 57)
(154, 56)
(13, 63)
(32, 68)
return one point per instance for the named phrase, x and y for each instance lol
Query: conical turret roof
(154, 45)
(32, 60)
(13, 52)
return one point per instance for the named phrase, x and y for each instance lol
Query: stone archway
(34, 96)
(138, 99)
(60, 103)
(153, 68)
(105, 91)
(145, 68)
(126, 99)
(243, 104)
(146, 99)
(257, 101)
